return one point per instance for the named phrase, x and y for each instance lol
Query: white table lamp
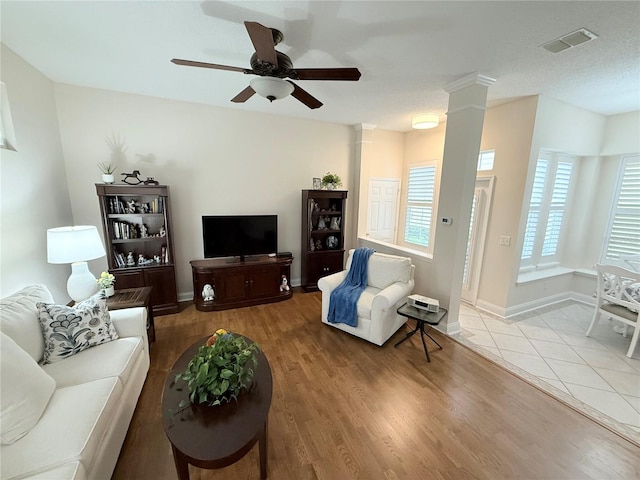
(76, 245)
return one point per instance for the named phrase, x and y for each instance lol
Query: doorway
(480, 210)
(383, 209)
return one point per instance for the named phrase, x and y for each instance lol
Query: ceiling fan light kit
(271, 88)
(425, 121)
(273, 68)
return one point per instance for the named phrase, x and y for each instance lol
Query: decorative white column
(465, 117)
(364, 142)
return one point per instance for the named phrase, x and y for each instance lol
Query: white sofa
(86, 400)
(389, 281)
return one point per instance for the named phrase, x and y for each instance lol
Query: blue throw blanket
(344, 299)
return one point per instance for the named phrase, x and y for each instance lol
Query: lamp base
(81, 284)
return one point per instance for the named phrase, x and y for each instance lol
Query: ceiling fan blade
(349, 74)
(244, 95)
(305, 97)
(191, 63)
(262, 39)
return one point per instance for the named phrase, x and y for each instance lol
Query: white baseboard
(534, 304)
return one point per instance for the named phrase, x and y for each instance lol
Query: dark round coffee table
(216, 436)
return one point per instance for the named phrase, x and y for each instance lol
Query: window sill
(398, 250)
(542, 274)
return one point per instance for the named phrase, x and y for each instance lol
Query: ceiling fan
(274, 69)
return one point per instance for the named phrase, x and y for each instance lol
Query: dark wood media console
(240, 284)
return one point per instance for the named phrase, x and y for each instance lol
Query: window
(549, 200)
(622, 245)
(420, 194)
(7, 135)
(485, 160)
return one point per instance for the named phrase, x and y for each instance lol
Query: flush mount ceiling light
(271, 88)
(569, 40)
(424, 121)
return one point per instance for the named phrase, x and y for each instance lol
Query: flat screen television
(239, 235)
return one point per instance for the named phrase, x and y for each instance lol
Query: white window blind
(549, 199)
(420, 193)
(623, 239)
(485, 160)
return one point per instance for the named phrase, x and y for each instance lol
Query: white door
(383, 209)
(477, 233)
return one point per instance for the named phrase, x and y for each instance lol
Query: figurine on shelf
(157, 258)
(151, 181)
(312, 245)
(284, 284)
(141, 259)
(130, 260)
(144, 233)
(132, 178)
(131, 206)
(321, 224)
(208, 294)
(319, 245)
(335, 223)
(163, 232)
(144, 208)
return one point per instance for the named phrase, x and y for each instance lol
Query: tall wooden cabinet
(323, 225)
(136, 221)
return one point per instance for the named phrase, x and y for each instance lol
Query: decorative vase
(108, 178)
(109, 291)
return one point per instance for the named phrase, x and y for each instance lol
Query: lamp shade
(424, 121)
(271, 88)
(78, 243)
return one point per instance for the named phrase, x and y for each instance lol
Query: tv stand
(254, 281)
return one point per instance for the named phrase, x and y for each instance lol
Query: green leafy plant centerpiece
(331, 181)
(107, 168)
(221, 369)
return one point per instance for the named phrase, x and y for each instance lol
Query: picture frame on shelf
(317, 183)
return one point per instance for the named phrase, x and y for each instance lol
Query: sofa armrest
(330, 282)
(390, 296)
(130, 322)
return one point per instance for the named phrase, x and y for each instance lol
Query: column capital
(468, 80)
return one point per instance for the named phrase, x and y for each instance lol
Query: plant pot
(331, 186)
(109, 291)
(108, 178)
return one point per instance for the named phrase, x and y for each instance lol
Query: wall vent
(569, 40)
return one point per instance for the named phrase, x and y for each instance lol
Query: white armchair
(618, 297)
(389, 281)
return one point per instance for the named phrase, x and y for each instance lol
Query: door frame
(476, 254)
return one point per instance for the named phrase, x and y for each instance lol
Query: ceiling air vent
(569, 40)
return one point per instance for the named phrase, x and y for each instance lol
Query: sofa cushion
(69, 330)
(68, 471)
(384, 270)
(72, 428)
(114, 359)
(19, 318)
(25, 390)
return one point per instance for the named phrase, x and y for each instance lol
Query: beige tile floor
(548, 348)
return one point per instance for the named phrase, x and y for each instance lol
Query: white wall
(33, 185)
(215, 160)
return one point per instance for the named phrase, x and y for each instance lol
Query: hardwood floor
(343, 408)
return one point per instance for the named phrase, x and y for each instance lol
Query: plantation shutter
(485, 160)
(537, 195)
(420, 192)
(556, 208)
(624, 236)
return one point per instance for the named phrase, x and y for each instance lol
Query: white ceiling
(406, 51)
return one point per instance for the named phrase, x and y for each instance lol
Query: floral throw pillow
(69, 330)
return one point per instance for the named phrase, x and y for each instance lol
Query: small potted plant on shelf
(331, 181)
(107, 170)
(221, 369)
(105, 282)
